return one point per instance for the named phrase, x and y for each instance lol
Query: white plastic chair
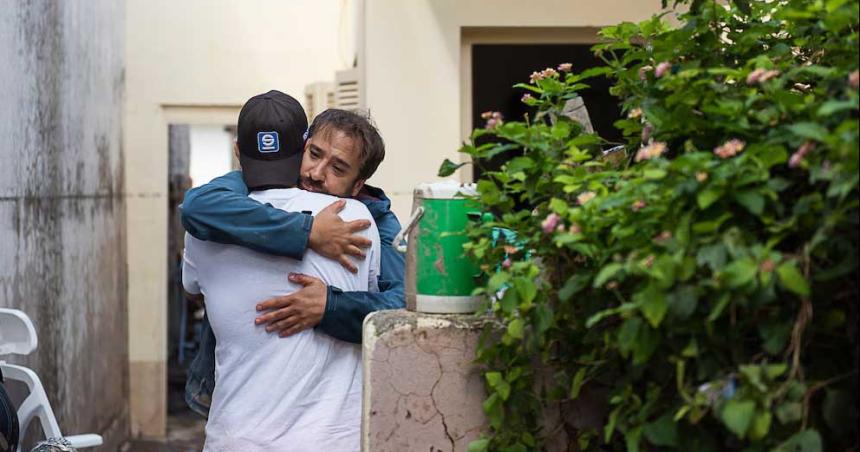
(18, 337)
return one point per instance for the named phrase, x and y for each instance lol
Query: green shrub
(704, 277)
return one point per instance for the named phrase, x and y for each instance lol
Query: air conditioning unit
(347, 89)
(319, 97)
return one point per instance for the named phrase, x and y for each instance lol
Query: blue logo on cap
(267, 142)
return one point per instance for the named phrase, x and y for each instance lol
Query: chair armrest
(85, 440)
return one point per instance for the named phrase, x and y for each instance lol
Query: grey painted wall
(62, 214)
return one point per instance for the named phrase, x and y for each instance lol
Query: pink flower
(761, 75)
(506, 264)
(649, 261)
(800, 154)
(638, 205)
(494, 119)
(565, 67)
(575, 229)
(585, 197)
(663, 236)
(662, 68)
(653, 150)
(767, 266)
(854, 79)
(549, 223)
(643, 72)
(560, 228)
(768, 75)
(510, 249)
(526, 98)
(730, 148)
(548, 72)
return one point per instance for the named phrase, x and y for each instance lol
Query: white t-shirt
(300, 393)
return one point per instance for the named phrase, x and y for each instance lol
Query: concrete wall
(424, 391)
(62, 214)
(411, 55)
(197, 62)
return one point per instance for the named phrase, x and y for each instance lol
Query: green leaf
(760, 425)
(448, 168)
(662, 432)
(503, 388)
(509, 301)
(774, 371)
(753, 201)
(654, 173)
(835, 106)
(774, 335)
(805, 441)
(717, 310)
(708, 196)
(713, 256)
(789, 412)
(740, 272)
(494, 410)
(652, 303)
(526, 289)
(811, 130)
(737, 415)
(497, 281)
(576, 385)
(543, 316)
(573, 285)
(515, 328)
(608, 271)
(479, 445)
(792, 279)
(558, 206)
(682, 302)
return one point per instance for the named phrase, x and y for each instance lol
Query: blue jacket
(221, 211)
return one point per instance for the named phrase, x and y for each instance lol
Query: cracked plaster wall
(423, 391)
(62, 215)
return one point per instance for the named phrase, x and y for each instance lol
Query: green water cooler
(440, 277)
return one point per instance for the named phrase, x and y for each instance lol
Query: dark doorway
(498, 67)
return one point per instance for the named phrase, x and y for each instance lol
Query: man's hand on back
(296, 312)
(335, 239)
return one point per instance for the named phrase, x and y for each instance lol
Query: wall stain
(62, 215)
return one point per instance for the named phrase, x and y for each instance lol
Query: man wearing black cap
(299, 393)
(342, 150)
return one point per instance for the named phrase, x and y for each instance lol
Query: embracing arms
(221, 211)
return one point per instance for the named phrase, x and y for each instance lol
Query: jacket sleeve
(345, 311)
(222, 212)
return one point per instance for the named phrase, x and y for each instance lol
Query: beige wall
(411, 58)
(197, 61)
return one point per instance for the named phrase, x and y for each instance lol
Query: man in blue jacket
(341, 152)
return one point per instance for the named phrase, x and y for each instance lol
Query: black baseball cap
(271, 137)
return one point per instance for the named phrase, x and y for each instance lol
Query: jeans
(201, 373)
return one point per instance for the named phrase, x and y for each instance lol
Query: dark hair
(360, 128)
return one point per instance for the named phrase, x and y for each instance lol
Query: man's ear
(359, 184)
(236, 149)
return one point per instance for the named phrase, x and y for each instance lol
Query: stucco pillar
(422, 390)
